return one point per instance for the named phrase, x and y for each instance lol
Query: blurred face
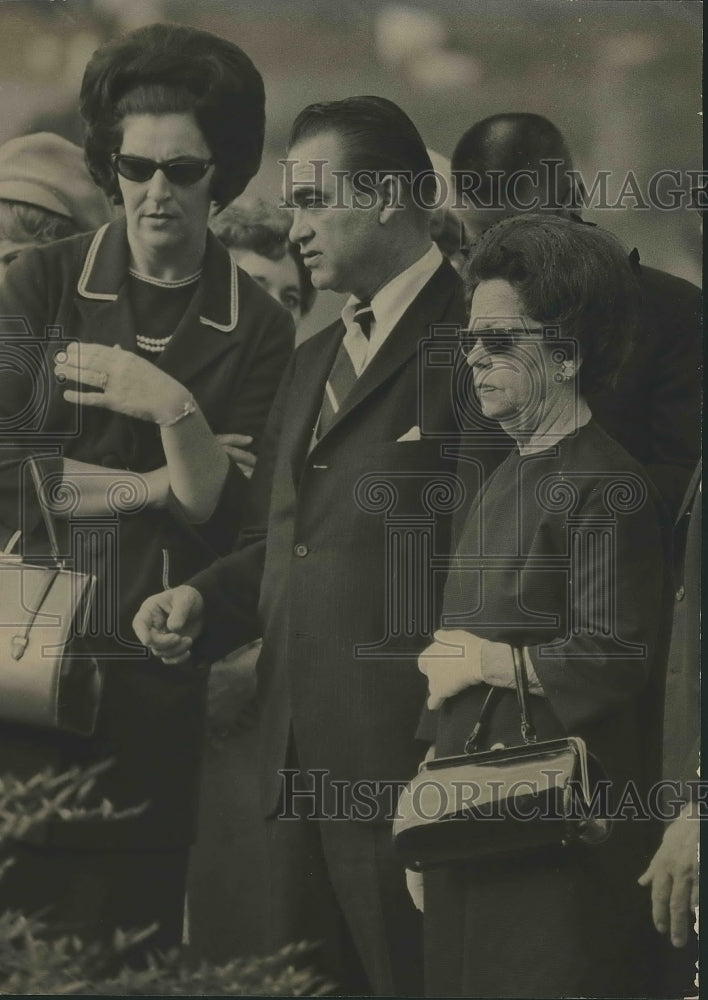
(165, 218)
(339, 235)
(280, 278)
(514, 373)
(8, 252)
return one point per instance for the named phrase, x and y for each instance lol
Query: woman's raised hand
(119, 380)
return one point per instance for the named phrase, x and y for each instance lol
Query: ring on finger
(103, 381)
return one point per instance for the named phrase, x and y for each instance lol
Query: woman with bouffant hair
(563, 556)
(167, 69)
(178, 346)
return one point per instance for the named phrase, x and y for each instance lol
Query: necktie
(343, 376)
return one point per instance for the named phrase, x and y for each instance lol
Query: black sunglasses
(495, 340)
(183, 171)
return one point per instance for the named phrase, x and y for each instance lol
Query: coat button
(301, 550)
(681, 593)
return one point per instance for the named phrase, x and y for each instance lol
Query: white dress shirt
(388, 305)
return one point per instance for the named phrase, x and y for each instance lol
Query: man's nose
(300, 228)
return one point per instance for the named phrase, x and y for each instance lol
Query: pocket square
(412, 435)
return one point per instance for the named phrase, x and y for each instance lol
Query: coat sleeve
(264, 367)
(230, 587)
(618, 599)
(671, 308)
(26, 389)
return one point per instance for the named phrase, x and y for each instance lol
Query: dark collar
(106, 267)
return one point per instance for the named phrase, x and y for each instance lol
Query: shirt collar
(391, 301)
(106, 267)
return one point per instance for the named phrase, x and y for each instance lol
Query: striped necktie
(343, 376)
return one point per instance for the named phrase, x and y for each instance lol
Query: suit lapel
(428, 307)
(316, 357)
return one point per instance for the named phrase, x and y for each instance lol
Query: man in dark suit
(514, 162)
(349, 479)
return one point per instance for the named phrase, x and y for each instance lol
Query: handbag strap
(521, 682)
(521, 678)
(46, 515)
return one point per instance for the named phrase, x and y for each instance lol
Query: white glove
(452, 663)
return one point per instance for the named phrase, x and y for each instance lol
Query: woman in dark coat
(157, 343)
(567, 562)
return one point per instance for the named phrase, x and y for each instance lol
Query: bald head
(509, 164)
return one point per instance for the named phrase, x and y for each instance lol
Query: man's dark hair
(377, 136)
(508, 144)
(164, 69)
(567, 274)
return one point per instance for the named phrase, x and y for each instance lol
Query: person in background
(166, 344)
(228, 862)
(553, 307)
(46, 193)
(512, 160)
(256, 234)
(672, 874)
(310, 570)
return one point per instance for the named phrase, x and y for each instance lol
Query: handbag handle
(46, 515)
(521, 683)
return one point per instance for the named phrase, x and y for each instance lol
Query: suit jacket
(316, 566)
(229, 350)
(654, 411)
(682, 713)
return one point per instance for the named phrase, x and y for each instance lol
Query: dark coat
(654, 411)
(229, 350)
(581, 533)
(314, 567)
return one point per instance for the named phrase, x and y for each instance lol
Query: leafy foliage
(35, 961)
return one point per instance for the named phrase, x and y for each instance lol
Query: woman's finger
(86, 398)
(238, 440)
(82, 375)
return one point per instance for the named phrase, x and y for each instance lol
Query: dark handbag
(46, 679)
(504, 801)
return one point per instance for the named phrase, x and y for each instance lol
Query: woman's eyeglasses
(183, 171)
(495, 340)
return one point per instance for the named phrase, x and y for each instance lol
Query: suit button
(681, 593)
(301, 550)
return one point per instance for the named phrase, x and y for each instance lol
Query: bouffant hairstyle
(164, 69)
(263, 229)
(377, 137)
(568, 274)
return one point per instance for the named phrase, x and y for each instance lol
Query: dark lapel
(428, 307)
(207, 328)
(314, 363)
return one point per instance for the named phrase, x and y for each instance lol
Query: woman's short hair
(569, 274)
(263, 229)
(167, 68)
(377, 137)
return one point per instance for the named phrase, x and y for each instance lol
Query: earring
(567, 371)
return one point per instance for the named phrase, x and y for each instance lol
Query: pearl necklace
(152, 344)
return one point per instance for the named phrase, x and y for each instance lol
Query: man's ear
(390, 197)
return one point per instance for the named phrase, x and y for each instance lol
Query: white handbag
(46, 678)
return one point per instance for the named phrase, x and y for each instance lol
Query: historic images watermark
(315, 794)
(551, 188)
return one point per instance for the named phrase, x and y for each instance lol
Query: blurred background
(622, 80)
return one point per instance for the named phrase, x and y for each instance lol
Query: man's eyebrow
(303, 192)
